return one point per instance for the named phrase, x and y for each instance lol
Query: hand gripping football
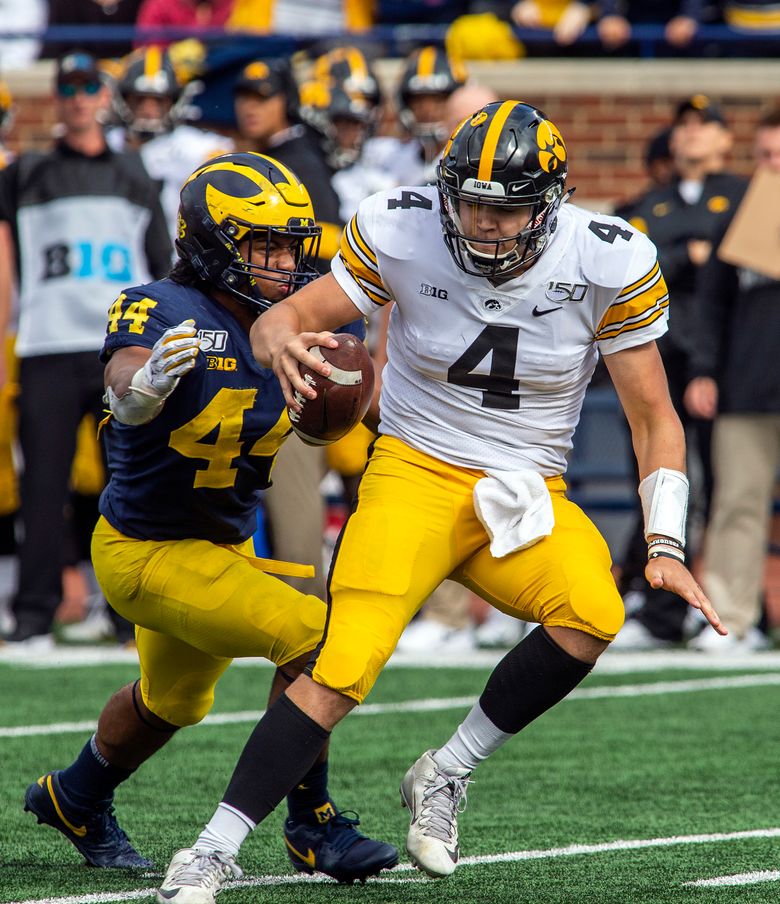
(342, 398)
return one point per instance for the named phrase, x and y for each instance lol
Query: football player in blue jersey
(194, 427)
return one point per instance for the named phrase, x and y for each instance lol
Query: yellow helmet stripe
(490, 143)
(152, 61)
(288, 174)
(357, 63)
(426, 65)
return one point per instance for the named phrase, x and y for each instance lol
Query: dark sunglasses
(71, 89)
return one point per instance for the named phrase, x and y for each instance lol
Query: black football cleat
(337, 849)
(95, 834)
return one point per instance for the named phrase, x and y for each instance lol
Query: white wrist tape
(139, 404)
(664, 495)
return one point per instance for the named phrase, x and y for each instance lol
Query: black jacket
(671, 222)
(737, 317)
(299, 149)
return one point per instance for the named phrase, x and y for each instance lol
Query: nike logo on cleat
(537, 313)
(167, 893)
(309, 859)
(453, 854)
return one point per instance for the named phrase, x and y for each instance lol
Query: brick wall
(606, 112)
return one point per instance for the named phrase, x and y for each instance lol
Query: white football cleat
(434, 797)
(197, 877)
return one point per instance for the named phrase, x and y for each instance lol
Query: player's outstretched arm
(659, 445)
(282, 336)
(139, 380)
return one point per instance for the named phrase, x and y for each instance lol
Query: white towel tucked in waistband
(515, 508)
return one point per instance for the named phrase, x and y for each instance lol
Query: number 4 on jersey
(499, 387)
(608, 232)
(408, 200)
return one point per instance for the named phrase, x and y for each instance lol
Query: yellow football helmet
(240, 197)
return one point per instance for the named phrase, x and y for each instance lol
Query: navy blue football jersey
(198, 468)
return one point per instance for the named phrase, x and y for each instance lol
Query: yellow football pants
(197, 606)
(414, 526)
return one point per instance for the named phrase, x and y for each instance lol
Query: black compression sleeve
(280, 751)
(531, 678)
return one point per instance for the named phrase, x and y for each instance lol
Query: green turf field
(635, 787)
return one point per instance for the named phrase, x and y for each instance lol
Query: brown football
(342, 398)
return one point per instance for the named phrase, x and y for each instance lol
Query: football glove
(173, 355)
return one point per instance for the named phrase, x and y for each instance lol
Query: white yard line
(739, 879)
(573, 850)
(612, 662)
(654, 689)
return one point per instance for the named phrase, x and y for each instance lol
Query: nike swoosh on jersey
(309, 859)
(537, 313)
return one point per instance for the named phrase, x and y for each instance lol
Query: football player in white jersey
(151, 103)
(494, 334)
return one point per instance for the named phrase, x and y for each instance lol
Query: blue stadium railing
(647, 40)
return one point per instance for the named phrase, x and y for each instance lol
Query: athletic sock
(225, 831)
(91, 780)
(309, 800)
(531, 678)
(282, 748)
(476, 738)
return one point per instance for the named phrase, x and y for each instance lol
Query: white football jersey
(486, 377)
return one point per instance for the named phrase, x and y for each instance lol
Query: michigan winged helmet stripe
(238, 192)
(361, 262)
(490, 143)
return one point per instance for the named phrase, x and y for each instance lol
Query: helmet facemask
(161, 83)
(244, 275)
(242, 278)
(246, 226)
(500, 257)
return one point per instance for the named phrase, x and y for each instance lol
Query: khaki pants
(296, 510)
(746, 456)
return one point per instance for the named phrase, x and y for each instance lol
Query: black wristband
(665, 541)
(665, 555)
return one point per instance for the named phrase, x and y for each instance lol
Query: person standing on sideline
(682, 219)
(151, 106)
(194, 431)
(736, 383)
(84, 221)
(504, 296)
